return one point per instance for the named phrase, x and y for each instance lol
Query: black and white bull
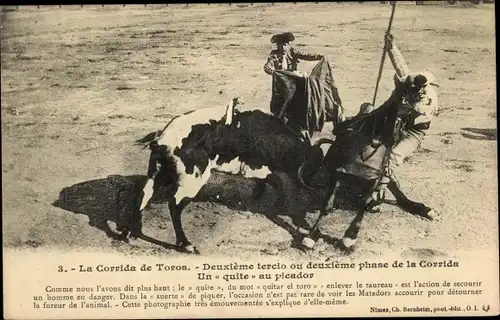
(251, 143)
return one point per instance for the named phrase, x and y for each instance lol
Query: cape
(306, 103)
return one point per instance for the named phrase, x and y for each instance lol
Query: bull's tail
(149, 139)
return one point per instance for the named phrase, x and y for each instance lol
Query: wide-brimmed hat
(282, 37)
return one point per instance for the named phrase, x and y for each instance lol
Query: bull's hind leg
(134, 228)
(415, 208)
(310, 240)
(175, 214)
(277, 184)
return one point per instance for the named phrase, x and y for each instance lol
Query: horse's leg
(175, 214)
(415, 208)
(330, 201)
(310, 240)
(351, 234)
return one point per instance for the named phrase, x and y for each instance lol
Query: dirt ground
(79, 85)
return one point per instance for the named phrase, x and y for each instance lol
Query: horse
(359, 155)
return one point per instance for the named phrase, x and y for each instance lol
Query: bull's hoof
(123, 234)
(121, 228)
(122, 237)
(117, 236)
(308, 243)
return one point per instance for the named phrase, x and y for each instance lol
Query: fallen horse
(359, 155)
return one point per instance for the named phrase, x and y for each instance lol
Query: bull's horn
(230, 110)
(321, 141)
(301, 180)
(318, 143)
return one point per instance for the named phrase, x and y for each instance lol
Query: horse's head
(412, 90)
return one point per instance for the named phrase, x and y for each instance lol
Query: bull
(251, 143)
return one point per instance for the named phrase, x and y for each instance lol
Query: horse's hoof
(374, 206)
(374, 209)
(432, 215)
(303, 231)
(346, 245)
(190, 249)
(308, 243)
(348, 242)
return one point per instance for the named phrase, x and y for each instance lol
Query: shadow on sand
(114, 199)
(480, 134)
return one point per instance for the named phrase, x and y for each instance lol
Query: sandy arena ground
(79, 85)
